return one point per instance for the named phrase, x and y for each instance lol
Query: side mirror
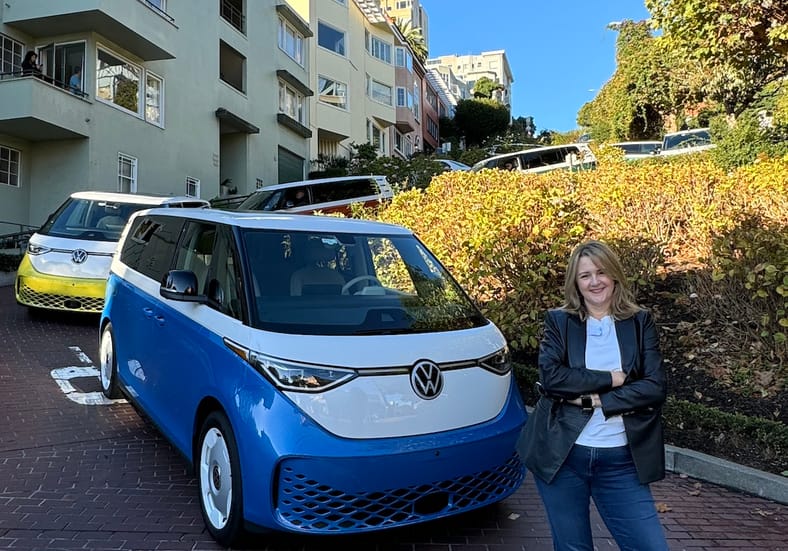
(181, 285)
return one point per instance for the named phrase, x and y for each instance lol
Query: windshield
(689, 139)
(351, 284)
(90, 219)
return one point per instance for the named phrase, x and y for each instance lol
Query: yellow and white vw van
(67, 260)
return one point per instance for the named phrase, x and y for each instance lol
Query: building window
(9, 166)
(127, 173)
(330, 38)
(10, 54)
(377, 137)
(153, 99)
(379, 91)
(417, 100)
(379, 49)
(403, 144)
(292, 103)
(118, 84)
(432, 128)
(233, 12)
(403, 58)
(291, 41)
(404, 98)
(332, 92)
(192, 187)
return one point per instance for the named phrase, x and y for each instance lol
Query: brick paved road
(76, 476)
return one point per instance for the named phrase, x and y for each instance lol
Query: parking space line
(63, 375)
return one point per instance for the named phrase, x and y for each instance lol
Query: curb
(726, 473)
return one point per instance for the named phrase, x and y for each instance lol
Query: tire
(108, 369)
(219, 481)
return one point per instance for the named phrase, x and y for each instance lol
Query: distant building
(409, 10)
(467, 69)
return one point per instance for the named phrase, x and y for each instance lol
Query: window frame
(285, 30)
(142, 75)
(16, 51)
(343, 53)
(10, 162)
(285, 92)
(191, 181)
(344, 105)
(372, 93)
(132, 178)
(379, 48)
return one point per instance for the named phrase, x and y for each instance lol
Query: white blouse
(602, 354)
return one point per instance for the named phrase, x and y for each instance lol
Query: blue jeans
(609, 476)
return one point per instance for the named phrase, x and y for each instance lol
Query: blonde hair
(623, 303)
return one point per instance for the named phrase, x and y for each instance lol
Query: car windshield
(688, 139)
(264, 200)
(351, 284)
(95, 220)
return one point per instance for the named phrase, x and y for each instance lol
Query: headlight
(300, 377)
(499, 363)
(34, 249)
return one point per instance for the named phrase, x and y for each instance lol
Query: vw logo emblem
(426, 379)
(79, 256)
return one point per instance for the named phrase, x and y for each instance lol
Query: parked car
(324, 375)
(638, 149)
(450, 165)
(66, 264)
(686, 141)
(325, 195)
(576, 156)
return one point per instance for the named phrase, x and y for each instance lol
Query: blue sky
(560, 51)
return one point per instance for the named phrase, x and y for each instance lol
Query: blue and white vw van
(322, 375)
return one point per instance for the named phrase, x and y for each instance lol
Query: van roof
(319, 181)
(138, 198)
(282, 221)
(532, 150)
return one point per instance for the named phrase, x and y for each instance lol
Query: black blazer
(553, 426)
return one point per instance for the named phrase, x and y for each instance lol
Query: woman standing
(596, 431)
(30, 64)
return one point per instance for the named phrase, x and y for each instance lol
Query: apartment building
(354, 76)
(467, 69)
(197, 98)
(409, 11)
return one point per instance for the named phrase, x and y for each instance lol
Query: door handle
(148, 312)
(160, 320)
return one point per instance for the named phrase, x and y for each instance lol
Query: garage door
(291, 166)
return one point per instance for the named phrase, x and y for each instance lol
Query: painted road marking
(63, 376)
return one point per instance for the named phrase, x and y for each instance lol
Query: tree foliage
(484, 88)
(741, 45)
(478, 119)
(414, 36)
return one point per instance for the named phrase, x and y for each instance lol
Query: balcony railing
(154, 6)
(233, 15)
(13, 75)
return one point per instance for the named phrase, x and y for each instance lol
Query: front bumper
(37, 290)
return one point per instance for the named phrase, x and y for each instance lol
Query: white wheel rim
(107, 359)
(216, 481)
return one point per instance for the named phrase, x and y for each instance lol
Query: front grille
(49, 301)
(307, 505)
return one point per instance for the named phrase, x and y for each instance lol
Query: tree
(742, 45)
(478, 119)
(484, 88)
(414, 37)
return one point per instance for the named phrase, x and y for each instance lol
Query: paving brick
(101, 477)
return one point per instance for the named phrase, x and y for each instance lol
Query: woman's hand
(618, 378)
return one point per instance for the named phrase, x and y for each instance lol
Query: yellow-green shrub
(505, 237)
(668, 203)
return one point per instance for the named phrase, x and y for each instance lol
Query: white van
(576, 156)
(67, 260)
(326, 195)
(323, 375)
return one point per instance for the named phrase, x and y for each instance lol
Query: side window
(343, 190)
(150, 246)
(224, 285)
(195, 251)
